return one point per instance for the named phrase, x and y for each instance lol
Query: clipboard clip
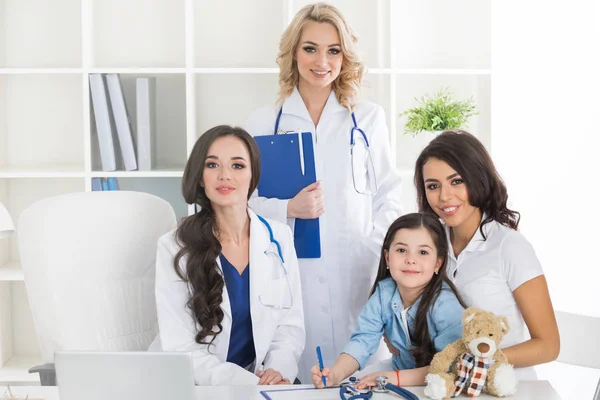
(301, 151)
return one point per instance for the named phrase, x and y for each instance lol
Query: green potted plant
(438, 113)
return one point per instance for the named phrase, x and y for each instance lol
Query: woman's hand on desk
(308, 203)
(271, 377)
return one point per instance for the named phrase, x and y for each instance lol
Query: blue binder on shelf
(282, 177)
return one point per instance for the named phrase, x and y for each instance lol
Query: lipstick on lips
(319, 74)
(449, 210)
(225, 189)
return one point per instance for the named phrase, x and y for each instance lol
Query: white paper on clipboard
(302, 393)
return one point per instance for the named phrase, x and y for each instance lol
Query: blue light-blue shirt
(241, 342)
(382, 313)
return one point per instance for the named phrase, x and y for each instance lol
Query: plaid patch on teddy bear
(475, 368)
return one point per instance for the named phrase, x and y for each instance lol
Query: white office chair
(89, 265)
(579, 341)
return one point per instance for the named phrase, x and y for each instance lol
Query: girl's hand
(270, 377)
(316, 375)
(370, 380)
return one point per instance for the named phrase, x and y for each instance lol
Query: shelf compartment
(224, 20)
(170, 125)
(40, 121)
(16, 371)
(230, 99)
(138, 33)
(434, 34)
(40, 34)
(19, 348)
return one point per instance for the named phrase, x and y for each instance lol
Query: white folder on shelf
(145, 90)
(105, 128)
(121, 121)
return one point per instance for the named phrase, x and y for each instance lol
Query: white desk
(528, 390)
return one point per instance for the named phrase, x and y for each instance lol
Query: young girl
(412, 301)
(491, 263)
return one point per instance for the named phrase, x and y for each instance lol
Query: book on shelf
(105, 126)
(117, 100)
(113, 184)
(145, 90)
(96, 184)
(103, 184)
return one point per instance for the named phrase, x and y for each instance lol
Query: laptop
(124, 375)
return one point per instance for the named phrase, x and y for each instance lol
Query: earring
(436, 272)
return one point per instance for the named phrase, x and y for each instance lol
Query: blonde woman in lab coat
(320, 76)
(227, 280)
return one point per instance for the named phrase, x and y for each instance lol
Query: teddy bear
(473, 363)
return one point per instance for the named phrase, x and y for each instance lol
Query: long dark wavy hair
(469, 158)
(423, 349)
(196, 235)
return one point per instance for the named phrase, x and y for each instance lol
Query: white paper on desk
(302, 393)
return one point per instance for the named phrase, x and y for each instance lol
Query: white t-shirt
(486, 273)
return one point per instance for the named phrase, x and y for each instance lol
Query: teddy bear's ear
(504, 324)
(470, 313)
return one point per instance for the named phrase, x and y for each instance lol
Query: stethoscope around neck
(279, 253)
(272, 238)
(361, 163)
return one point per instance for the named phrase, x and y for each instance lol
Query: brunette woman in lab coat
(227, 280)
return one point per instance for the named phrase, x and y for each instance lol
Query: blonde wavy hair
(347, 85)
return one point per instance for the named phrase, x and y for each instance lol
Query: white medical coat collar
(258, 261)
(294, 105)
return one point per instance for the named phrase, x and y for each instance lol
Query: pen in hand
(321, 366)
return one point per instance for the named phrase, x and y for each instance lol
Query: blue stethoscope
(348, 392)
(352, 131)
(282, 261)
(273, 240)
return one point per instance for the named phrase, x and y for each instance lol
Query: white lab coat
(278, 332)
(335, 287)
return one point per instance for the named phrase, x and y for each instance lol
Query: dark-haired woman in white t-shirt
(491, 263)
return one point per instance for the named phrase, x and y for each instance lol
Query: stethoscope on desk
(282, 262)
(363, 170)
(348, 392)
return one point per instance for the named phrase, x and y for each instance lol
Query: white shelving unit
(214, 63)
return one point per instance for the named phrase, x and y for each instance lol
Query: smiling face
(412, 258)
(448, 195)
(227, 173)
(318, 55)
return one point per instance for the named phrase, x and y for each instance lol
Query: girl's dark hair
(196, 235)
(467, 156)
(423, 349)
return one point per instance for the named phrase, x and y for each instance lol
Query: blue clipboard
(281, 177)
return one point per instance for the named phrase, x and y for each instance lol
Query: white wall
(545, 141)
